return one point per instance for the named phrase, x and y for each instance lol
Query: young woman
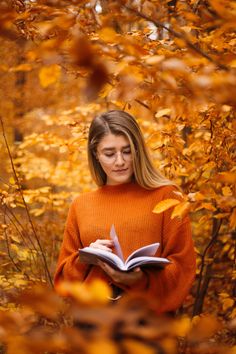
(129, 187)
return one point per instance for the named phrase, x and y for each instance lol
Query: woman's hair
(118, 122)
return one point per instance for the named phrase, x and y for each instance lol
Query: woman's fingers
(101, 247)
(126, 278)
(105, 245)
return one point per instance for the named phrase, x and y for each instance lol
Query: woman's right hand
(105, 245)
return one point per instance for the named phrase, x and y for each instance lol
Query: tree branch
(26, 206)
(201, 289)
(178, 35)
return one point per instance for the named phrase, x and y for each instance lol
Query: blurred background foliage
(172, 64)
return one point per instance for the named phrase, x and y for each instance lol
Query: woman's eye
(127, 152)
(109, 155)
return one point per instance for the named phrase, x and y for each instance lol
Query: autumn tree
(169, 63)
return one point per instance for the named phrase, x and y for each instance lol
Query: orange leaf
(227, 303)
(207, 206)
(107, 34)
(164, 205)
(48, 75)
(180, 210)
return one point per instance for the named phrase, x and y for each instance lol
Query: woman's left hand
(125, 278)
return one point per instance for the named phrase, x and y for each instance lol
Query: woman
(129, 187)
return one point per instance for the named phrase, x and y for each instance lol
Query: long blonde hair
(118, 122)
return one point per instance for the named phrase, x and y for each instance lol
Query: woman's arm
(169, 286)
(68, 266)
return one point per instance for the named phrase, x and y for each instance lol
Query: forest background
(172, 64)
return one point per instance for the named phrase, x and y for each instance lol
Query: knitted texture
(129, 207)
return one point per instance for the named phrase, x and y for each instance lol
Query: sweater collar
(123, 187)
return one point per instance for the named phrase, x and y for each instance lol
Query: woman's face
(114, 155)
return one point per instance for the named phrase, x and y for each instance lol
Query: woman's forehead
(113, 141)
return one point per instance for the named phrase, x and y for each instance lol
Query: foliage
(171, 64)
(88, 323)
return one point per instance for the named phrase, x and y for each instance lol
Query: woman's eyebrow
(113, 148)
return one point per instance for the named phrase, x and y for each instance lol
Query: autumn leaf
(132, 346)
(164, 205)
(181, 210)
(49, 75)
(163, 112)
(227, 303)
(101, 346)
(108, 34)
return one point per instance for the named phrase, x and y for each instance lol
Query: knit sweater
(129, 207)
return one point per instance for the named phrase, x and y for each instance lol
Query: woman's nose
(119, 158)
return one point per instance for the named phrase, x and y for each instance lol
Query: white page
(103, 255)
(149, 250)
(116, 242)
(139, 261)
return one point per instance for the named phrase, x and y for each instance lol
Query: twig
(8, 247)
(26, 206)
(197, 3)
(201, 289)
(178, 35)
(21, 233)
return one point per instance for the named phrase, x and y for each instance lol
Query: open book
(141, 257)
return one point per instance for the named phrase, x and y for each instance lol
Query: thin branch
(197, 3)
(8, 247)
(215, 233)
(178, 35)
(142, 104)
(14, 221)
(26, 206)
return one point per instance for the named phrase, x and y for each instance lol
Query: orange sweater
(129, 207)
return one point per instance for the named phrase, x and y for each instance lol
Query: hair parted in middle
(119, 122)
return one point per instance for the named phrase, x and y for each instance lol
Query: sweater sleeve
(68, 266)
(170, 285)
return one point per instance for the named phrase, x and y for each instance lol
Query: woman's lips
(122, 170)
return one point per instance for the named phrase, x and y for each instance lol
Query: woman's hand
(105, 245)
(125, 278)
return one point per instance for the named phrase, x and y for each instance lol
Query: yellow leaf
(207, 206)
(181, 210)
(154, 59)
(182, 326)
(37, 211)
(131, 346)
(48, 75)
(101, 346)
(169, 345)
(105, 90)
(164, 205)
(226, 191)
(163, 112)
(100, 291)
(204, 328)
(12, 180)
(107, 34)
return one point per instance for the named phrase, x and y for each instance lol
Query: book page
(149, 250)
(91, 255)
(141, 261)
(116, 242)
